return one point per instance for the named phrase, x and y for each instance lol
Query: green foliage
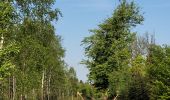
(159, 72)
(6, 62)
(32, 54)
(7, 49)
(119, 83)
(122, 66)
(87, 91)
(108, 47)
(138, 89)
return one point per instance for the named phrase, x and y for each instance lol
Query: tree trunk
(21, 97)
(79, 94)
(9, 88)
(42, 85)
(48, 92)
(115, 98)
(63, 95)
(72, 96)
(33, 94)
(2, 42)
(13, 87)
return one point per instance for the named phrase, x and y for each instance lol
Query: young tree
(138, 89)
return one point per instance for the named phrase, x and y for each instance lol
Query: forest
(122, 64)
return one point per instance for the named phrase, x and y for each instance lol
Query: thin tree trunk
(42, 85)
(13, 87)
(25, 97)
(63, 95)
(49, 80)
(9, 88)
(21, 97)
(78, 94)
(47, 88)
(33, 94)
(115, 97)
(2, 42)
(72, 96)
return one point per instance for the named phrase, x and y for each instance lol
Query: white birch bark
(2, 42)
(42, 84)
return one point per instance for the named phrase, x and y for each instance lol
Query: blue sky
(81, 15)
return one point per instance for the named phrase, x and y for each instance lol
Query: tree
(108, 48)
(138, 89)
(39, 65)
(159, 72)
(6, 47)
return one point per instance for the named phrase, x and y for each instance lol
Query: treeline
(123, 65)
(31, 54)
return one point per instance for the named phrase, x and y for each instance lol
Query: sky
(79, 16)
